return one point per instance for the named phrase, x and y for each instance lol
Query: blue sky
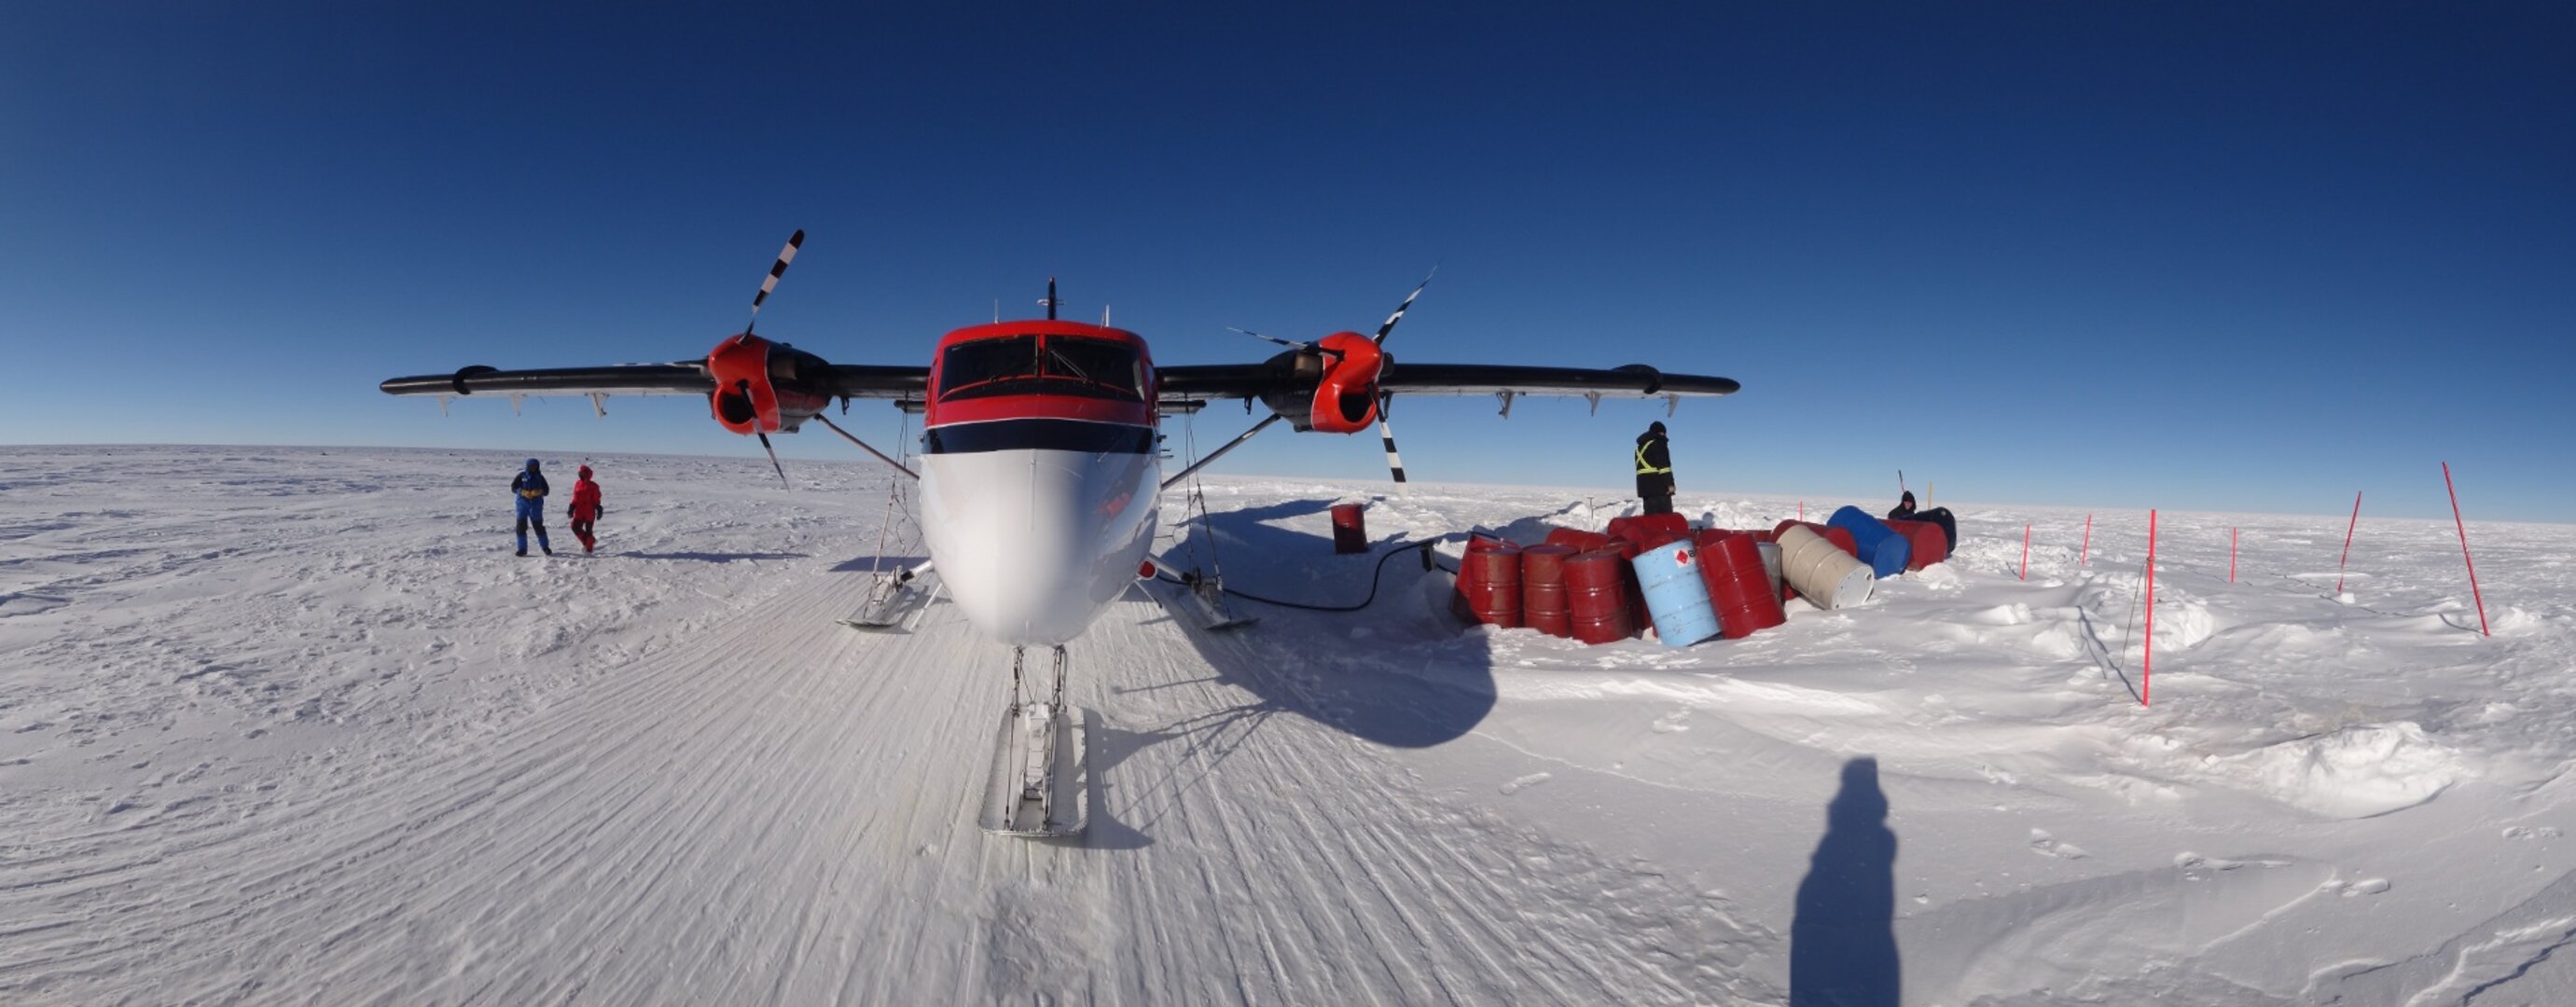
(2173, 255)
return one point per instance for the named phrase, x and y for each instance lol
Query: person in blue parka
(529, 489)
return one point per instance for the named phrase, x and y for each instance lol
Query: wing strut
(863, 446)
(1229, 446)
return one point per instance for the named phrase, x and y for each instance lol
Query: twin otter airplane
(1040, 471)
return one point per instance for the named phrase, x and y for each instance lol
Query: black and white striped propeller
(767, 284)
(1386, 434)
(776, 270)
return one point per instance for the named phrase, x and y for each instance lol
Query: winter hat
(532, 463)
(1909, 494)
(585, 472)
(1656, 427)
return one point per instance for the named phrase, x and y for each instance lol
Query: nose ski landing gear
(1041, 766)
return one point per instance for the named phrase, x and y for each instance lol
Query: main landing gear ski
(1041, 767)
(1202, 598)
(896, 601)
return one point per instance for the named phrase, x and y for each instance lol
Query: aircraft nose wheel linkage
(1041, 769)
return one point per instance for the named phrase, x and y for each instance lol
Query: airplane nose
(1022, 538)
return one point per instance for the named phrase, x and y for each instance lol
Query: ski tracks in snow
(1340, 876)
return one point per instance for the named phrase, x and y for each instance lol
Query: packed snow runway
(292, 724)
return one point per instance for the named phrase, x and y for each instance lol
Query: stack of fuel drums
(1543, 596)
(1689, 584)
(1489, 582)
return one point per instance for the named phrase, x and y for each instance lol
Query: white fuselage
(1033, 544)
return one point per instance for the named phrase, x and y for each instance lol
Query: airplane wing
(1187, 383)
(685, 377)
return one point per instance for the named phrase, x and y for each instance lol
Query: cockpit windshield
(1049, 365)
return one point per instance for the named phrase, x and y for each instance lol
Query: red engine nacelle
(764, 387)
(1345, 399)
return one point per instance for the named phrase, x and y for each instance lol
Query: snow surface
(293, 725)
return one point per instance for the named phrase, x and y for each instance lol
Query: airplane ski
(896, 602)
(1041, 764)
(1201, 600)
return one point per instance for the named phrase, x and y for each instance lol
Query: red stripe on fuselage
(1048, 407)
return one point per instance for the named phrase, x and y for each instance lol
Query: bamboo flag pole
(2347, 540)
(2464, 549)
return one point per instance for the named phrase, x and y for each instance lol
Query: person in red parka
(585, 510)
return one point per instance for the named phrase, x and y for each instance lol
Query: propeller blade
(1398, 316)
(773, 453)
(1386, 435)
(1289, 343)
(785, 256)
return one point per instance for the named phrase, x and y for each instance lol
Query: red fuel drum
(1665, 522)
(1543, 600)
(1930, 546)
(1350, 530)
(1582, 541)
(1739, 587)
(1708, 543)
(1650, 532)
(1489, 581)
(1596, 593)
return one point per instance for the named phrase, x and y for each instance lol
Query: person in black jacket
(1655, 470)
(1939, 516)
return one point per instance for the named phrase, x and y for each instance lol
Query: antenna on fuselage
(1050, 299)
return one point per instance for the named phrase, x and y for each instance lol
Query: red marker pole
(2347, 539)
(2080, 557)
(2025, 551)
(2147, 676)
(2231, 554)
(2464, 549)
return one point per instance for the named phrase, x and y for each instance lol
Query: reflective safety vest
(1645, 469)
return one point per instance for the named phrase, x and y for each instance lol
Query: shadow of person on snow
(1842, 942)
(1392, 673)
